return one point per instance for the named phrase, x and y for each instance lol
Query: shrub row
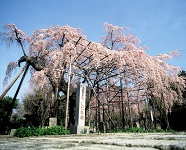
(33, 131)
(140, 130)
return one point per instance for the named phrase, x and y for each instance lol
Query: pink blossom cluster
(118, 63)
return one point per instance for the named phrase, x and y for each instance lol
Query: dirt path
(117, 141)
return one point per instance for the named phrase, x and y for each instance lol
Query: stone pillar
(12, 132)
(80, 127)
(52, 122)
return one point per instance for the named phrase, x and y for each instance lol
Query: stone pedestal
(79, 130)
(12, 132)
(80, 127)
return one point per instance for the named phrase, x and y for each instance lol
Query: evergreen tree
(4, 106)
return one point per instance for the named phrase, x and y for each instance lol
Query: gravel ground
(116, 141)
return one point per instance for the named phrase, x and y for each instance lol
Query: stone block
(12, 132)
(52, 122)
(79, 130)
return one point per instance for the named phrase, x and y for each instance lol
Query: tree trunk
(122, 106)
(129, 111)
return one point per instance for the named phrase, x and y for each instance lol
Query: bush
(24, 132)
(156, 130)
(171, 130)
(140, 130)
(135, 130)
(56, 130)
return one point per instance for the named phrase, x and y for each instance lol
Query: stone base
(52, 122)
(12, 132)
(79, 130)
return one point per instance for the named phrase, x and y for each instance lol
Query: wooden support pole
(12, 83)
(68, 93)
(9, 113)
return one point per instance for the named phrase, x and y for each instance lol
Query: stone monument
(52, 122)
(80, 127)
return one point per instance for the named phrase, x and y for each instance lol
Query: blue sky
(161, 24)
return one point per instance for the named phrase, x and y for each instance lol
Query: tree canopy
(116, 68)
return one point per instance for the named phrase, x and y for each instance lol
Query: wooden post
(12, 83)
(68, 93)
(89, 107)
(9, 113)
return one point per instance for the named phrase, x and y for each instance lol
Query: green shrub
(135, 130)
(171, 130)
(140, 130)
(161, 130)
(156, 130)
(24, 132)
(56, 130)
